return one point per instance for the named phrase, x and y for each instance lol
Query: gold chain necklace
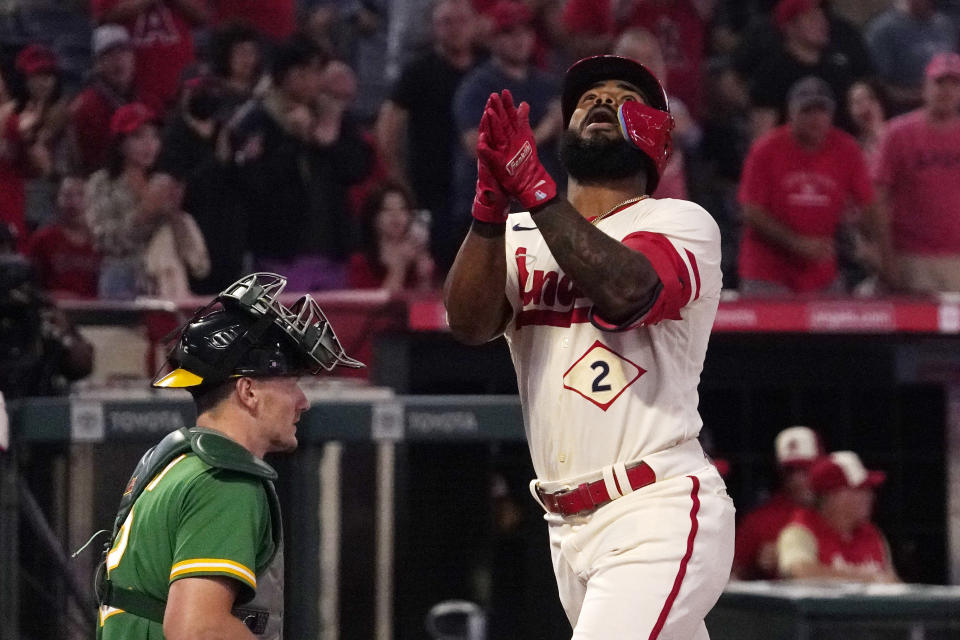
(632, 200)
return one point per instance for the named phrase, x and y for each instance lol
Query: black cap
(809, 92)
(589, 71)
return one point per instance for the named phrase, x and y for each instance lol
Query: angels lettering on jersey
(548, 296)
(551, 289)
(155, 26)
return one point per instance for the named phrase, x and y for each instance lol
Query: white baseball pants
(650, 565)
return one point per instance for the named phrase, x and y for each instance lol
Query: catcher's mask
(654, 140)
(247, 331)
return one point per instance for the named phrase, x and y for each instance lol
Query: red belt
(590, 495)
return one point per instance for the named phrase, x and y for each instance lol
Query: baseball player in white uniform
(607, 306)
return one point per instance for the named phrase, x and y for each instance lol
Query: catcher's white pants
(649, 565)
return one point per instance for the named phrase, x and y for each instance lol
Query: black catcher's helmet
(247, 331)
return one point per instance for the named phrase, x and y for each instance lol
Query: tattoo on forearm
(616, 278)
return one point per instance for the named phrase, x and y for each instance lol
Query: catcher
(196, 548)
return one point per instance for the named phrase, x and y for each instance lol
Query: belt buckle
(551, 498)
(582, 490)
(562, 491)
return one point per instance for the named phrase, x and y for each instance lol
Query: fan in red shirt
(836, 540)
(755, 551)
(918, 174)
(162, 39)
(798, 183)
(31, 131)
(62, 252)
(112, 86)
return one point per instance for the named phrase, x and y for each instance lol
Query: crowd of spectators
(334, 141)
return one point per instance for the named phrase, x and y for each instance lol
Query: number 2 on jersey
(604, 370)
(601, 374)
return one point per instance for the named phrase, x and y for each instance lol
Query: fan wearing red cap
(120, 215)
(918, 177)
(129, 118)
(755, 553)
(149, 244)
(36, 58)
(43, 111)
(836, 539)
(606, 297)
(31, 127)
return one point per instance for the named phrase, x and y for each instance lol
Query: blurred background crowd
(165, 147)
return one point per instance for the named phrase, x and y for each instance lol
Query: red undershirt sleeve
(677, 279)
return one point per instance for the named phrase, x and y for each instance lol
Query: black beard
(600, 159)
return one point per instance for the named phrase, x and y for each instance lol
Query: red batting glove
(490, 202)
(510, 152)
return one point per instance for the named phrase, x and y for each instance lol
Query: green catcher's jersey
(191, 520)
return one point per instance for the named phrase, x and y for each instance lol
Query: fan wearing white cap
(755, 553)
(111, 86)
(836, 539)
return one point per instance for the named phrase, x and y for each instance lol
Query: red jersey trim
(671, 269)
(682, 571)
(679, 288)
(552, 318)
(638, 320)
(696, 272)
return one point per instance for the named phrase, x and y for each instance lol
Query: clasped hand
(507, 161)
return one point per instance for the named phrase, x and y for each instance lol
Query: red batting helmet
(654, 141)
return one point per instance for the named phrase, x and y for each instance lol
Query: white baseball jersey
(592, 397)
